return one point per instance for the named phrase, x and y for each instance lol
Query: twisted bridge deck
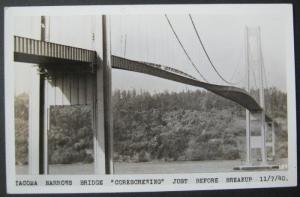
(55, 56)
(237, 95)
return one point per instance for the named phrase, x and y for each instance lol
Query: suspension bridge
(70, 76)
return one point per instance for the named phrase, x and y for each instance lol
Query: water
(145, 167)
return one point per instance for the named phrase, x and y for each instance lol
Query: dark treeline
(70, 137)
(275, 102)
(189, 125)
(174, 126)
(21, 128)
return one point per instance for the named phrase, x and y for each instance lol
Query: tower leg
(263, 139)
(103, 116)
(273, 139)
(99, 142)
(107, 78)
(248, 138)
(34, 125)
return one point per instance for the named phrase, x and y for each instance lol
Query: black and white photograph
(151, 91)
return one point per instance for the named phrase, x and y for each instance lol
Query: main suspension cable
(209, 59)
(186, 53)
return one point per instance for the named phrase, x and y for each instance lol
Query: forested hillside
(190, 125)
(21, 128)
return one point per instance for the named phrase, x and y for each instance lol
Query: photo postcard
(149, 98)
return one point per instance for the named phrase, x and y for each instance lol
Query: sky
(149, 38)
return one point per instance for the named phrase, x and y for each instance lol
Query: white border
(282, 9)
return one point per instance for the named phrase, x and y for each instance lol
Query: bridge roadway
(237, 95)
(55, 56)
